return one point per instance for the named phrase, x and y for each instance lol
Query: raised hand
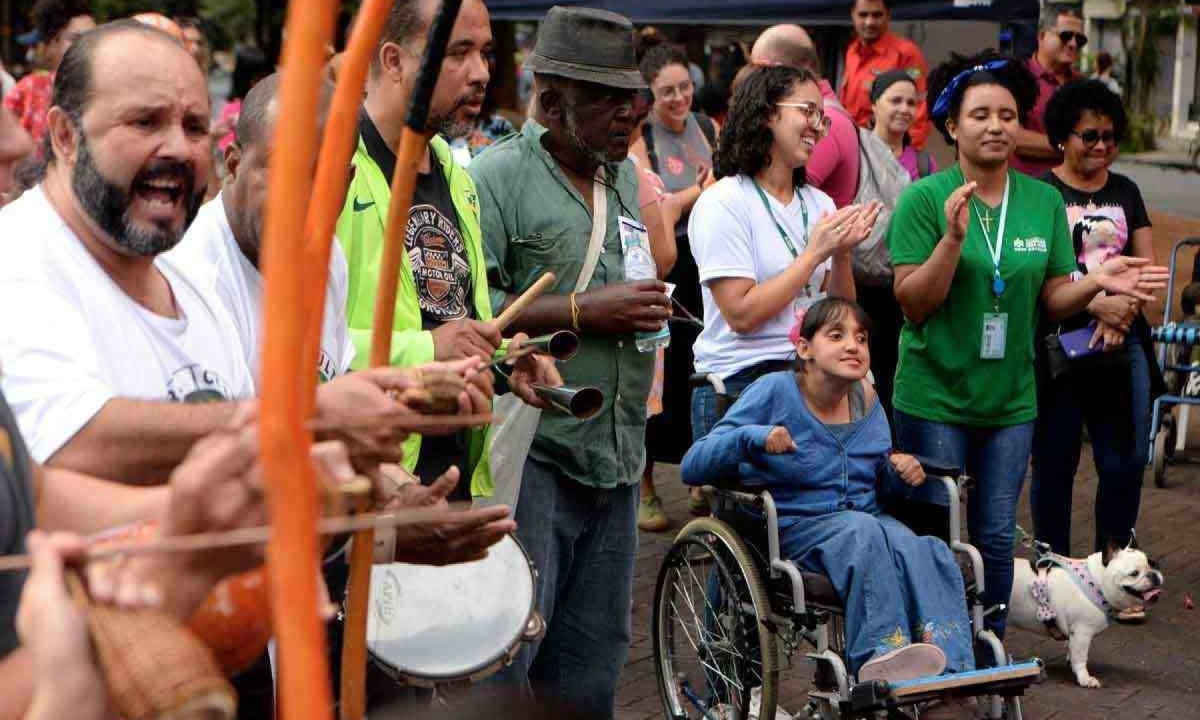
(958, 212)
(1133, 276)
(833, 233)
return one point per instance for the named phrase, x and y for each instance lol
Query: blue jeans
(897, 588)
(997, 459)
(583, 542)
(1056, 446)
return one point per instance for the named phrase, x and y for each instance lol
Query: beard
(455, 124)
(584, 151)
(108, 204)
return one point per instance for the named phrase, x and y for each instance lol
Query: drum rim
(471, 673)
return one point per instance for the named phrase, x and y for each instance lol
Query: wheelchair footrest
(1006, 679)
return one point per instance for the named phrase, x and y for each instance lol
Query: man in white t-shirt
(116, 359)
(226, 238)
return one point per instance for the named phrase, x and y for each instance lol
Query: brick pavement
(1151, 671)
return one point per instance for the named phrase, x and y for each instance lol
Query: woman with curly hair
(1107, 219)
(767, 245)
(977, 248)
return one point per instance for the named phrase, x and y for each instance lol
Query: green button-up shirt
(534, 220)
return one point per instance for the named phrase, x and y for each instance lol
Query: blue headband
(941, 107)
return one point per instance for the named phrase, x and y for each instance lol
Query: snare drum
(429, 626)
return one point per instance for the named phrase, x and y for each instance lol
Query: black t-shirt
(16, 520)
(1102, 223)
(442, 274)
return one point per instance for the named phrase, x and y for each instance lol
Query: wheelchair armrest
(936, 469)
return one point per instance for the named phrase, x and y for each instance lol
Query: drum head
(446, 623)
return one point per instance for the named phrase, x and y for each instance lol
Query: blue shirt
(829, 472)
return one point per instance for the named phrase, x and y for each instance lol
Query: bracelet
(575, 313)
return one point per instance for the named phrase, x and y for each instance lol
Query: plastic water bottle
(639, 265)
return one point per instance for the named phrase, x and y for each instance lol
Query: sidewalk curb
(1177, 165)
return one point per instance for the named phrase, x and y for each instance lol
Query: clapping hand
(1107, 337)
(1133, 276)
(957, 209)
(841, 231)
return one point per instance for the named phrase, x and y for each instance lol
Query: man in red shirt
(1060, 41)
(833, 165)
(875, 50)
(57, 24)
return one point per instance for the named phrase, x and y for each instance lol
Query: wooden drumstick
(521, 303)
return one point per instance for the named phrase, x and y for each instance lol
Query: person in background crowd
(768, 244)
(978, 251)
(1104, 72)
(1060, 41)
(250, 66)
(195, 41)
(894, 104)
(1107, 219)
(876, 50)
(834, 165)
(15, 146)
(57, 23)
(894, 95)
(540, 192)
(678, 145)
(7, 81)
(724, 65)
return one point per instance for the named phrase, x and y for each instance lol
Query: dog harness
(1078, 571)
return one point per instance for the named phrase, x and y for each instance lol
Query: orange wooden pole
(333, 166)
(304, 687)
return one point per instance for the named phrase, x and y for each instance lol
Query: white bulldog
(1079, 597)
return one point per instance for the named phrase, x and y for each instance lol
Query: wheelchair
(730, 613)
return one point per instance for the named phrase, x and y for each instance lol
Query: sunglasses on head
(1091, 137)
(1064, 36)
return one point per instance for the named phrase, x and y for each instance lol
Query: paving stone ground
(1148, 671)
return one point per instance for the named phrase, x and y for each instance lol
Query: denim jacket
(824, 475)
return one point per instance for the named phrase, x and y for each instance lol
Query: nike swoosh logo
(360, 206)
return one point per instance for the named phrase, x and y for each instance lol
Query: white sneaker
(756, 707)
(904, 663)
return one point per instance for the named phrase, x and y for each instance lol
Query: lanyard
(783, 235)
(996, 248)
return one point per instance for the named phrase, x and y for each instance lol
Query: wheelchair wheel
(1161, 448)
(714, 655)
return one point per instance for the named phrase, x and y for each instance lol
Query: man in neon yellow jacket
(442, 305)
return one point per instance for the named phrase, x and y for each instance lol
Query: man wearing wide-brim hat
(540, 192)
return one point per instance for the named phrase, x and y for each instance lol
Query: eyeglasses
(1091, 137)
(812, 112)
(1065, 36)
(671, 92)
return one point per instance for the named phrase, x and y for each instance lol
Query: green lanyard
(783, 235)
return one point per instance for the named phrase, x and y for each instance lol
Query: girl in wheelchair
(818, 440)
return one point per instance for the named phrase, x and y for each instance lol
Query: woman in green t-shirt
(977, 248)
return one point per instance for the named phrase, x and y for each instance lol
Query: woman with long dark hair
(978, 248)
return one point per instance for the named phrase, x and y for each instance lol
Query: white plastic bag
(512, 437)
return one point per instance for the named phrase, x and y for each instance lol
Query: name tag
(995, 335)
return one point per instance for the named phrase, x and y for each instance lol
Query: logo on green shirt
(359, 205)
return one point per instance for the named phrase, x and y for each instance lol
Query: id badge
(995, 335)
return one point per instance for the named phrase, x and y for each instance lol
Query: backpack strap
(924, 166)
(648, 138)
(709, 128)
